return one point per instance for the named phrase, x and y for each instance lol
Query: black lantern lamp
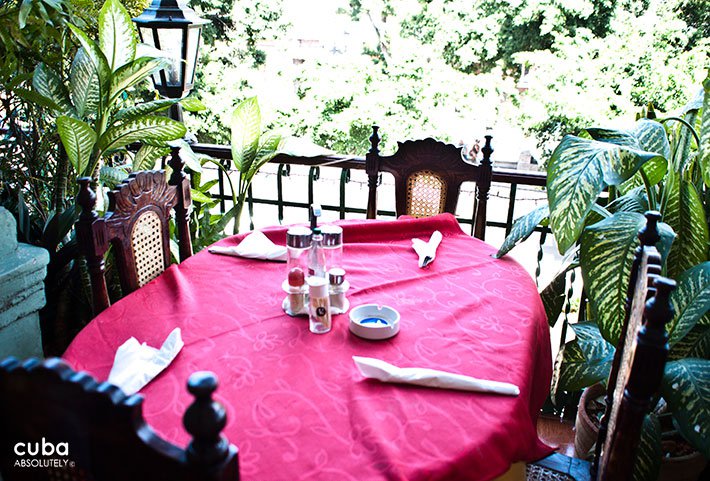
(174, 28)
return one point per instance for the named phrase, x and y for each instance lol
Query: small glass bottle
(298, 243)
(339, 303)
(316, 256)
(333, 245)
(319, 318)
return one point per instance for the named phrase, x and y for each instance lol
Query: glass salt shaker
(333, 245)
(316, 256)
(339, 303)
(298, 244)
(319, 319)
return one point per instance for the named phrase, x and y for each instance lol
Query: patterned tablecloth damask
(297, 407)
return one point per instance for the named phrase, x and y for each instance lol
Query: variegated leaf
(583, 361)
(268, 148)
(686, 388)
(147, 156)
(49, 85)
(192, 104)
(649, 451)
(633, 201)
(112, 176)
(647, 135)
(97, 57)
(135, 72)
(683, 211)
(117, 35)
(78, 139)
(695, 344)
(135, 111)
(84, 84)
(553, 296)
(606, 255)
(246, 130)
(35, 98)
(578, 171)
(151, 130)
(683, 152)
(704, 153)
(523, 227)
(691, 301)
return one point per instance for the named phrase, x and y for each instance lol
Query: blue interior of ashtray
(374, 321)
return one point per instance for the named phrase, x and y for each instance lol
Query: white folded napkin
(135, 364)
(254, 246)
(427, 250)
(385, 372)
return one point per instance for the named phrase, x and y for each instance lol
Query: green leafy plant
(655, 165)
(251, 150)
(95, 119)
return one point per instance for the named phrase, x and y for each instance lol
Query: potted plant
(658, 164)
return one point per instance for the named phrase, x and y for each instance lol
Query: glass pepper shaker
(338, 286)
(332, 245)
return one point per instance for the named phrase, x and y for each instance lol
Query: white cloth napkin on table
(427, 250)
(386, 372)
(254, 246)
(136, 364)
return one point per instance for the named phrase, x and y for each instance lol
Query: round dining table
(297, 406)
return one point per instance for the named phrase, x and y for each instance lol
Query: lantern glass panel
(193, 45)
(170, 43)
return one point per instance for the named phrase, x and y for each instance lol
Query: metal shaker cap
(336, 276)
(298, 237)
(332, 235)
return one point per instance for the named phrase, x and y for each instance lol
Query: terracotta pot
(586, 429)
(680, 468)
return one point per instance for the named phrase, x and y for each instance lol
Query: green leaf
(187, 155)
(117, 35)
(246, 130)
(704, 153)
(193, 104)
(101, 66)
(48, 84)
(25, 9)
(578, 171)
(583, 361)
(38, 99)
(522, 228)
(695, 344)
(135, 72)
(683, 211)
(198, 196)
(686, 388)
(268, 149)
(147, 156)
(78, 139)
(649, 451)
(634, 200)
(84, 84)
(647, 135)
(131, 113)
(112, 176)
(151, 130)
(606, 255)
(691, 301)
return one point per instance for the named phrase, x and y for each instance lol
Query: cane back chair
(635, 375)
(136, 225)
(93, 431)
(428, 175)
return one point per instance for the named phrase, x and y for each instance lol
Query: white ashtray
(374, 322)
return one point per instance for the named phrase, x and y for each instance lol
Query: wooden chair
(635, 376)
(428, 175)
(94, 431)
(136, 225)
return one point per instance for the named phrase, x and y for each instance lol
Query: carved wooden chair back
(137, 226)
(94, 431)
(635, 374)
(428, 175)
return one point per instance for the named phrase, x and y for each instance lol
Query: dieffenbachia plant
(655, 165)
(95, 117)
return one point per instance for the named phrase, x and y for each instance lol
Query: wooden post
(372, 168)
(180, 181)
(92, 237)
(483, 187)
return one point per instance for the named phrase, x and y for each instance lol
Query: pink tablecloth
(297, 407)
